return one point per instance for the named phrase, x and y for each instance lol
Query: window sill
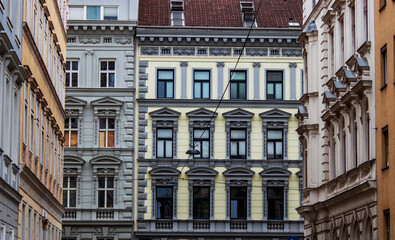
(385, 168)
(383, 87)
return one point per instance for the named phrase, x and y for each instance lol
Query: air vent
(107, 40)
(248, 13)
(176, 5)
(165, 51)
(246, 7)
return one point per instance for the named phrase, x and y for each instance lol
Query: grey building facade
(12, 77)
(98, 168)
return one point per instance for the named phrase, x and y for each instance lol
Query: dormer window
(248, 13)
(177, 13)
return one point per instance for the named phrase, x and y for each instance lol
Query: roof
(222, 13)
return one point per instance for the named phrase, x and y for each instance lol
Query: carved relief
(261, 52)
(184, 51)
(220, 51)
(89, 40)
(149, 50)
(292, 52)
(123, 40)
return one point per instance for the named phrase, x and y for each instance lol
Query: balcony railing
(105, 214)
(70, 214)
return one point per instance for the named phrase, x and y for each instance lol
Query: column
(292, 68)
(256, 66)
(220, 66)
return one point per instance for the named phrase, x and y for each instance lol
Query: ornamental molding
(89, 40)
(123, 40)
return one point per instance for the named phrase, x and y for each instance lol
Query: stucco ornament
(87, 40)
(123, 40)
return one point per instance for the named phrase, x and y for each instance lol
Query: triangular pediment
(238, 113)
(275, 114)
(202, 171)
(105, 160)
(275, 172)
(73, 160)
(165, 112)
(73, 101)
(107, 101)
(201, 113)
(238, 172)
(164, 171)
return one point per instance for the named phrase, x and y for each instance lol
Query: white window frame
(71, 129)
(107, 130)
(106, 189)
(107, 72)
(67, 189)
(84, 14)
(71, 71)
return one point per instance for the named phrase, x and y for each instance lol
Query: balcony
(70, 214)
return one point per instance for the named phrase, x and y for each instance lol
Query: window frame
(238, 140)
(275, 141)
(201, 140)
(387, 219)
(71, 71)
(244, 198)
(67, 189)
(163, 198)
(70, 129)
(105, 190)
(165, 143)
(101, 12)
(386, 148)
(107, 72)
(276, 199)
(384, 66)
(267, 72)
(165, 81)
(199, 199)
(201, 82)
(238, 83)
(106, 130)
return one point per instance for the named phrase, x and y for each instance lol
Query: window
(386, 162)
(76, 12)
(238, 83)
(93, 13)
(71, 73)
(201, 142)
(71, 132)
(107, 73)
(165, 83)
(177, 19)
(69, 191)
(238, 143)
(164, 143)
(275, 144)
(106, 192)
(201, 84)
(275, 201)
(274, 85)
(384, 72)
(164, 202)
(201, 202)
(106, 132)
(387, 223)
(238, 202)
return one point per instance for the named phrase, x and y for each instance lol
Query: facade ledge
(306, 128)
(10, 193)
(364, 48)
(305, 97)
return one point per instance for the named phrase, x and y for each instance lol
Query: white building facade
(337, 120)
(98, 169)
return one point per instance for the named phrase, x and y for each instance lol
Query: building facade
(337, 120)
(42, 121)
(98, 169)
(385, 93)
(245, 181)
(12, 78)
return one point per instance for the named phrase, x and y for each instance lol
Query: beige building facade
(337, 120)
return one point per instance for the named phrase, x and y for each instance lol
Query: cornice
(213, 103)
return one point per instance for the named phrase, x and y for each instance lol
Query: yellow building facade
(42, 121)
(218, 156)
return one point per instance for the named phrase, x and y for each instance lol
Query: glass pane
(103, 65)
(233, 209)
(233, 90)
(110, 139)
(161, 89)
(233, 149)
(74, 80)
(169, 149)
(163, 74)
(110, 13)
(279, 149)
(169, 89)
(242, 148)
(111, 123)
(102, 139)
(102, 123)
(74, 65)
(102, 182)
(206, 90)
(275, 134)
(242, 91)
(198, 90)
(111, 82)
(103, 80)
(270, 149)
(161, 148)
(74, 122)
(270, 88)
(110, 182)
(93, 13)
(110, 199)
(279, 91)
(66, 136)
(67, 79)
(238, 75)
(67, 65)
(64, 198)
(73, 182)
(275, 76)
(111, 65)
(165, 133)
(164, 192)
(72, 200)
(74, 139)
(201, 192)
(237, 134)
(76, 13)
(205, 149)
(202, 75)
(201, 133)
(65, 182)
(101, 199)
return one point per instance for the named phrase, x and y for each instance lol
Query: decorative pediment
(275, 114)
(107, 102)
(165, 113)
(74, 102)
(201, 113)
(238, 113)
(275, 172)
(164, 171)
(239, 172)
(73, 160)
(202, 172)
(105, 160)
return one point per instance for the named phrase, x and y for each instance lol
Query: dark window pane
(110, 199)
(74, 122)
(101, 198)
(164, 192)
(67, 123)
(103, 65)
(161, 89)
(73, 182)
(72, 200)
(75, 65)
(111, 65)
(102, 123)
(111, 79)
(103, 80)
(64, 198)
(67, 65)
(233, 90)
(275, 200)
(74, 82)
(110, 182)
(67, 79)
(102, 182)
(111, 123)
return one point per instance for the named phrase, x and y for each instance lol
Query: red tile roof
(221, 13)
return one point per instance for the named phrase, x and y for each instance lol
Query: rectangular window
(387, 223)
(165, 83)
(201, 202)
(238, 83)
(76, 12)
(164, 202)
(106, 132)
(238, 202)
(201, 141)
(164, 143)
(71, 73)
(93, 13)
(386, 159)
(275, 144)
(238, 143)
(69, 191)
(274, 85)
(201, 84)
(384, 73)
(275, 202)
(110, 13)
(106, 192)
(71, 132)
(107, 73)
